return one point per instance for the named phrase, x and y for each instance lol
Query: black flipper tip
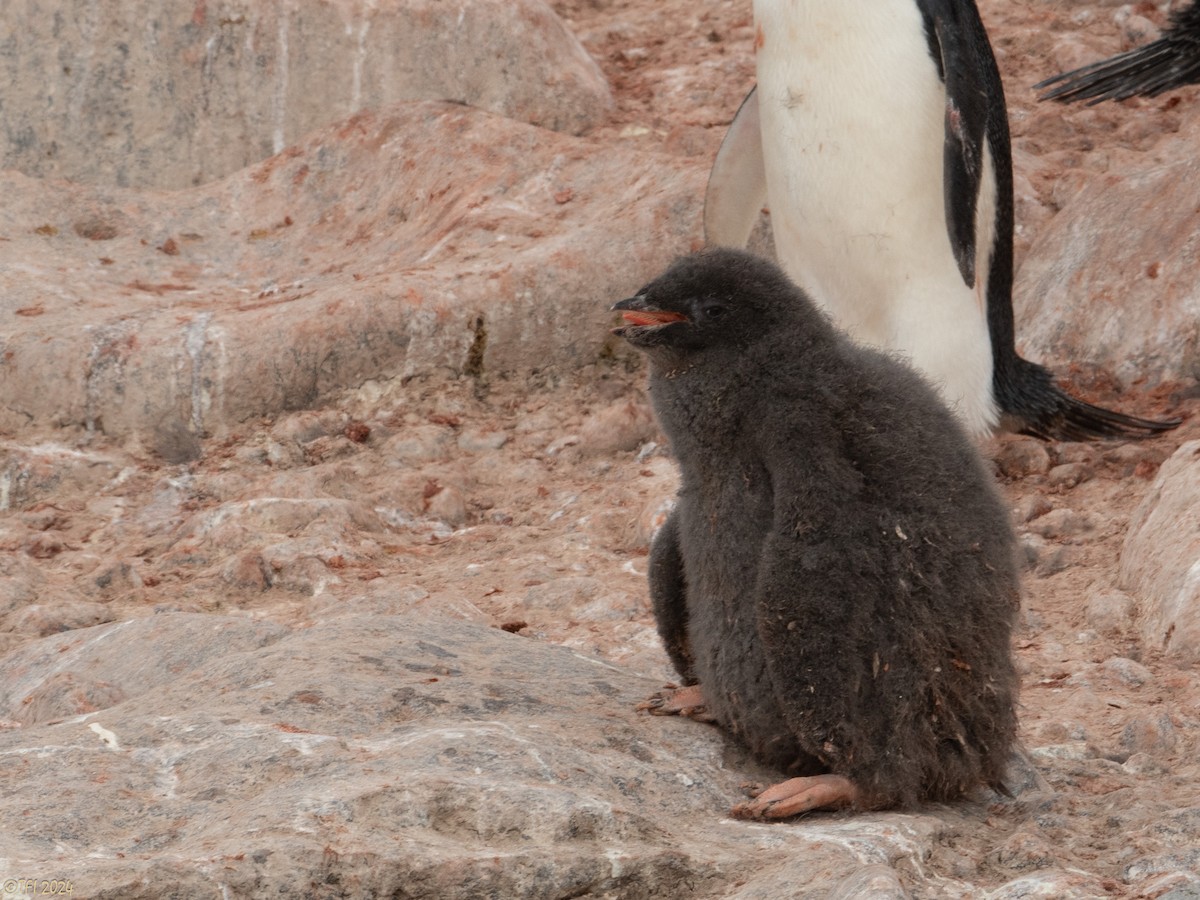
(1146, 71)
(1036, 406)
(1073, 419)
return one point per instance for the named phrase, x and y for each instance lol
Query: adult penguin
(878, 135)
(1162, 65)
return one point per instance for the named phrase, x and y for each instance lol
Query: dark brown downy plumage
(839, 571)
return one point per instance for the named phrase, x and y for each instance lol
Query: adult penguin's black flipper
(1162, 65)
(968, 98)
(1033, 404)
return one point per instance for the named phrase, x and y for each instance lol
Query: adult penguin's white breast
(852, 118)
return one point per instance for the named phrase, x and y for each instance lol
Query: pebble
(1109, 611)
(1073, 750)
(418, 444)
(1143, 764)
(1127, 671)
(621, 427)
(1041, 556)
(307, 426)
(1135, 457)
(1023, 851)
(1030, 507)
(477, 440)
(1070, 474)
(1018, 457)
(1155, 735)
(447, 504)
(1062, 523)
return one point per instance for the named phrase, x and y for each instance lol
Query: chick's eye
(714, 311)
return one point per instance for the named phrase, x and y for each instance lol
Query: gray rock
(1160, 561)
(1155, 735)
(325, 266)
(1127, 671)
(1061, 524)
(394, 756)
(174, 94)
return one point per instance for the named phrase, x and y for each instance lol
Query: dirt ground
(528, 505)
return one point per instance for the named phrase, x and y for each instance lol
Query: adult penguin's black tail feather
(1169, 62)
(1032, 403)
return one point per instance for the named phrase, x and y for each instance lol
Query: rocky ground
(521, 504)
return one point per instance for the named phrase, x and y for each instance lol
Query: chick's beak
(634, 312)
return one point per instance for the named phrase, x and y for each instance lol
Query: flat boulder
(387, 755)
(147, 93)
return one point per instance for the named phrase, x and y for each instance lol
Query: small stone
(1076, 452)
(418, 444)
(1073, 750)
(475, 440)
(1023, 851)
(1070, 474)
(1018, 457)
(1127, 671)
(1110, 611)
(623, 426)
(1041, 556)
(1134, 457)
(447, 504)
(1143, 764)
(1061, 523)
(1155, 735)
(1030, 507)
(248, 571)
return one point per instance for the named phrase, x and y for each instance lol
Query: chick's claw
(685, 701)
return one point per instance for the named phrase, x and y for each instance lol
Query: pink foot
(798, 795)
(685, 701)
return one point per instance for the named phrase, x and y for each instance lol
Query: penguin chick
(1162, 65)
(837, 580)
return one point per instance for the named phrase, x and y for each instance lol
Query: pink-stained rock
(1113, 281)
(179, 93)
(1160, 562)
(426, 240)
